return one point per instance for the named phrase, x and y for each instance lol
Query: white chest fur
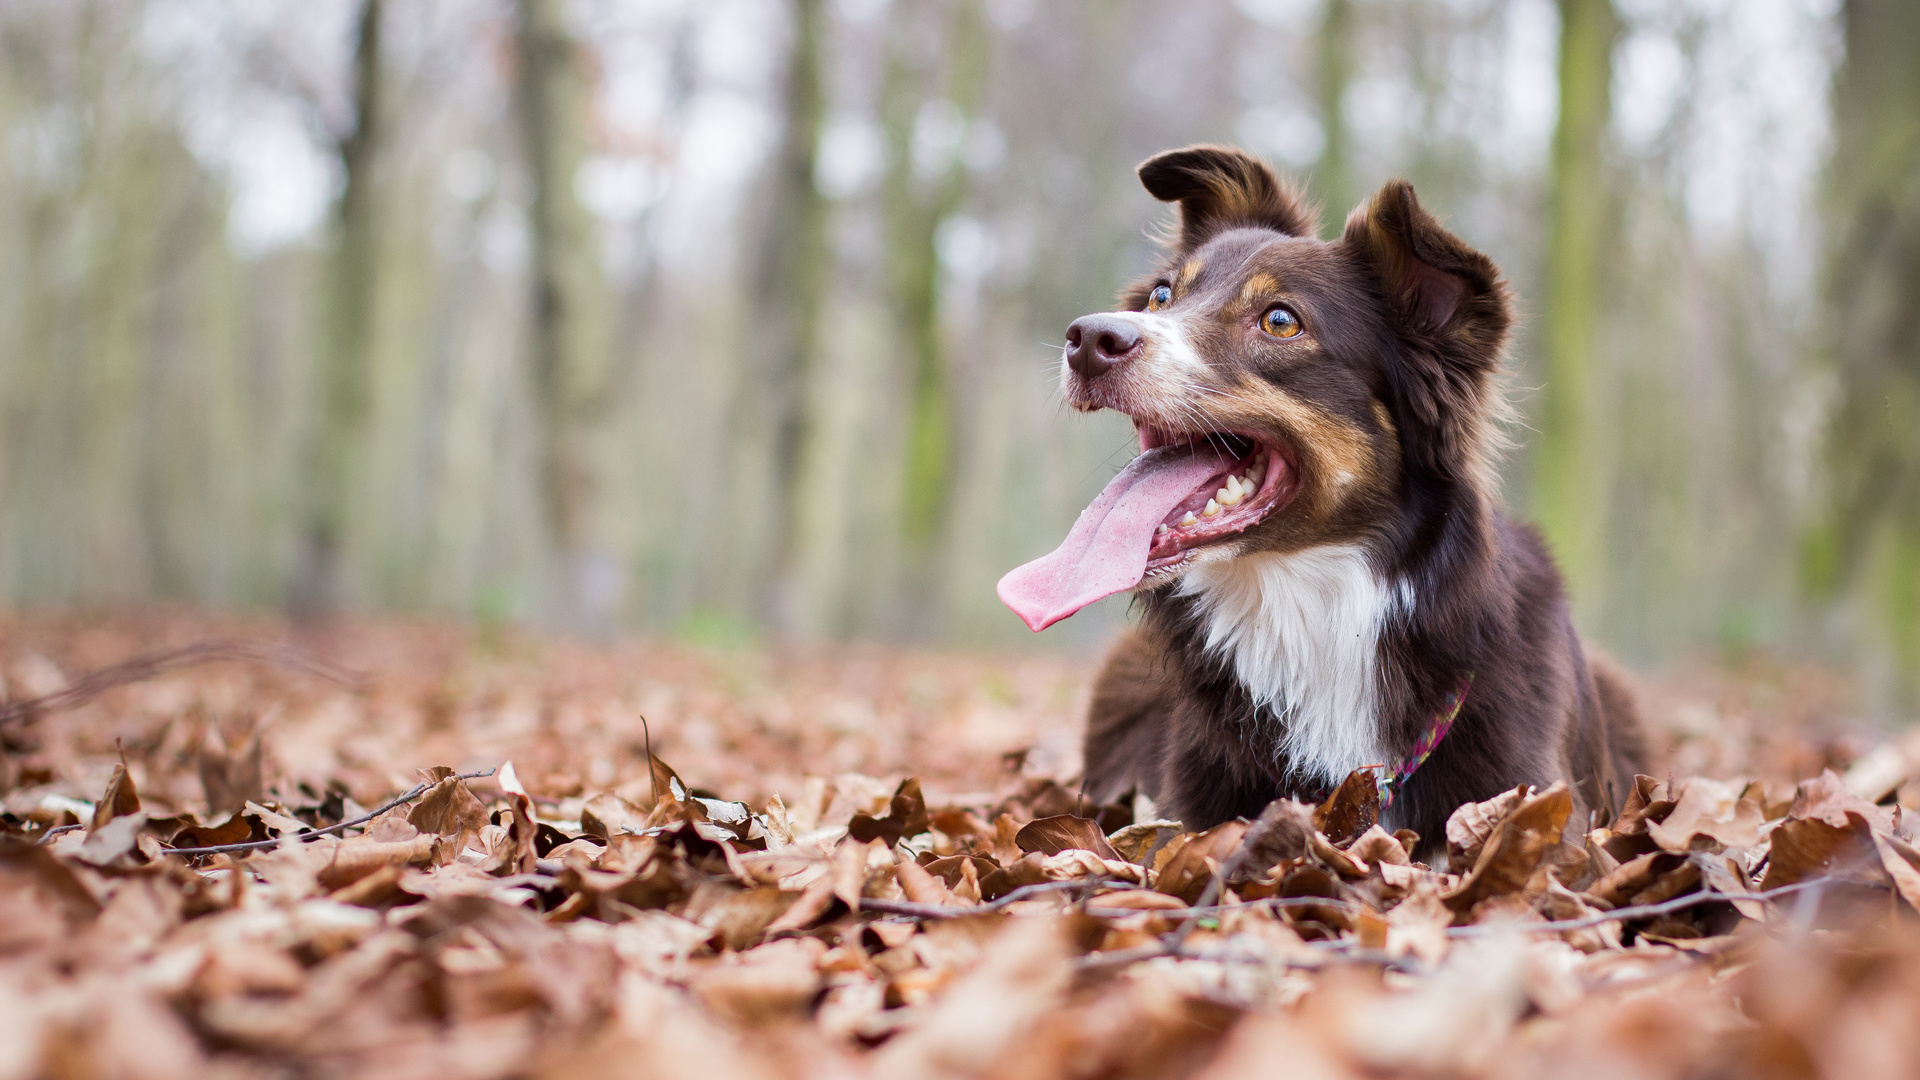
(1301, 631)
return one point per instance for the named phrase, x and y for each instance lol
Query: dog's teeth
(1188, 519)
(1229, 495)
(1256, 474)
(1212, 510)
(1163, 530)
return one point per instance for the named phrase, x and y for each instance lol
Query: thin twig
(1200, 912)
(1350, 949)
(952, 911)
(95, 683)
(915, 910)
(1641, 912)
(1221, 873)
(261, 845)
(47, 837)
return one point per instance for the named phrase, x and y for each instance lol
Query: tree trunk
(332, 467)
(1869, 538)
(789, 289)
(919, 196)
(568, 357)
(1566, 492)
(1331, 173)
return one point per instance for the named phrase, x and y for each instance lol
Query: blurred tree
(1566, 491)
(569, 355)
(350, 279)
(1331, 172)
(924, 185)
(1869, 537)
(791, 272)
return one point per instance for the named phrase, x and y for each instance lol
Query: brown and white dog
(1313, 525)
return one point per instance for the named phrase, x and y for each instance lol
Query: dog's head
(1288, 392)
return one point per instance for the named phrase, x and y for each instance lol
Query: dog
(1313, 528)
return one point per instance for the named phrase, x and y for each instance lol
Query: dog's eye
(1160, 297)
(1280, 322)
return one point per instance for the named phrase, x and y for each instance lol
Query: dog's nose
(1098, 342)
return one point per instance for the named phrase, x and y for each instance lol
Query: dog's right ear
(1219, 187)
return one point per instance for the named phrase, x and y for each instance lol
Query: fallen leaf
(237, 829)
(121, 799)
(1812, 846)
(984, 1018)
(906, 816)
(606, 813)
(1187, 865)
(1646, 802)
(1282, 832)
(1632, 876)
(745, 915)
(1469, 826)
(1139, 900)
(1376, 845)
(1708, 815)
(1028, 870)
(449, 810)
(518, 855)
(1136, 840)
(1514, 850)
(1353, 808)
(356, 857)
(921, 886)
(1052, 835)
(115, 843)
(230, 781)
(1826, 798)
(777, 980)
(1878, 773)
(951, 872)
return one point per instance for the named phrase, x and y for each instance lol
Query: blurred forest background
(738, 319)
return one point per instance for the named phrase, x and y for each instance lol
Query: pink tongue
(1107, 550)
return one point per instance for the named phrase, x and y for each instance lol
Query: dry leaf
(1186, 866)
(120, 799)
(448, 810)
(606, 814)
(1353, 808)
(1469, 826)
(906, 816)
(1804, 847)
(1514, 850)
(1377, 846)
(1053, 835)
(1708, 815)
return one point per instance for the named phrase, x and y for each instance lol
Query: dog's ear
(1452, 313)
(1219, 188)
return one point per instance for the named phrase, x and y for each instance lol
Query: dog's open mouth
(1184, 491)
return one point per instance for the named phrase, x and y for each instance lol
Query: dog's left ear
(1452, 313)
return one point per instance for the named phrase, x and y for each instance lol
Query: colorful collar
(1437, 729)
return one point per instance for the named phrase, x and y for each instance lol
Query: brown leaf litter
(589, 910)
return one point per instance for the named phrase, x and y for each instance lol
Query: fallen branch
(140, 668)
(1642, 912)
(261, 845)
(57, 830)
(1028, 892)
(952, 911)
(1351, 950)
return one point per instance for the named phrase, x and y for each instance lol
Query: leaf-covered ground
(872, 863)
